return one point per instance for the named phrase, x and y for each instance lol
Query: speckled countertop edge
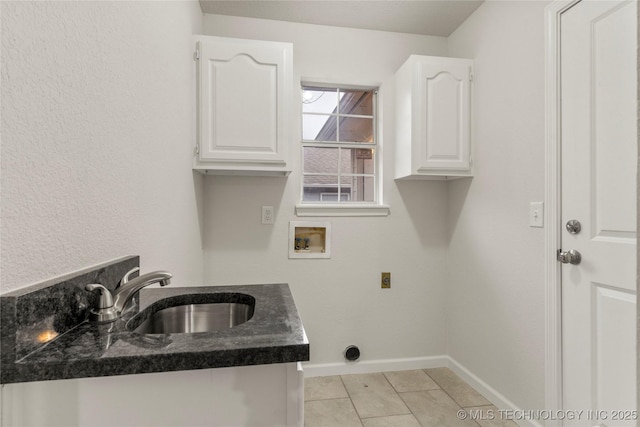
(274, 334)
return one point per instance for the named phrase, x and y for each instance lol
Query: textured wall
(339, 299)
(98, 125)
(495, 260)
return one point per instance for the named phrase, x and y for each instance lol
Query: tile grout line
(329, 398)
(399, 397)
(414, 415)
(445, 391)
(382, 416)
(351, 400)
(451, 397)
(403, 401)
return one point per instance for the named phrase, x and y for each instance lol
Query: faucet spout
(127, 290)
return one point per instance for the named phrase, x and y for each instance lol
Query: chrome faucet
(111, 306)
(128, 288)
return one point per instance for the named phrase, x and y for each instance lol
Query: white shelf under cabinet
(433, 118)
(244, 106)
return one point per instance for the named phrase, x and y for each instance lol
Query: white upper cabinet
(433, 118)
(244, 106)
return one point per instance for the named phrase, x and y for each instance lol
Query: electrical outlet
(267, 214)
(386, 280)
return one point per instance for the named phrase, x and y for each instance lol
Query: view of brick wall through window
(339, 141)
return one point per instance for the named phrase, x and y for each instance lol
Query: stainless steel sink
(169, 317)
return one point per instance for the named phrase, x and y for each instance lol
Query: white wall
(339, 300)
(495, 277)
(97, 114)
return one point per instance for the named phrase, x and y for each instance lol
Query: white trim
(552, 215)
(373, 366)
(341, 209)
(337, 84)
(295, 394)
(240, 170)
(490, 393)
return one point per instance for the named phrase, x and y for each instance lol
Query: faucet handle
(106, 299)
(127, 275)
(105, 311)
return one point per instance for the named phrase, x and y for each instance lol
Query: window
(339, 144)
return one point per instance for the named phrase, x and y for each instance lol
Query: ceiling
(427, 17)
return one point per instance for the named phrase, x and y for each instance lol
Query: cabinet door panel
(243, 113)
(244, 90)
(445, 91)
(433, 118)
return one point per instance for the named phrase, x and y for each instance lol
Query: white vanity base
(259, 395)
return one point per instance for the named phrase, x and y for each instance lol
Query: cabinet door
(445, 105)
(243, 89)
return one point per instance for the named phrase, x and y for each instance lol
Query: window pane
(320, 160)
(357, 160)
(318, 127)
(319, 100)
(359, 188)
(320, 188)
(332, 173)
(356, 129)
(333, 197)
(356, 102)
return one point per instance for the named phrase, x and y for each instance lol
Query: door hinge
(196, 55)
(470, 75)
(197, 150)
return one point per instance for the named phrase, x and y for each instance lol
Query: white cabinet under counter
(244, 90)
(251, 396)
(433, 118)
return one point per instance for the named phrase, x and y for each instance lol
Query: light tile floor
(420, 398)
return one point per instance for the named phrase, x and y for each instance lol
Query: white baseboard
(406, 364)
(371, 366)
(491, 394)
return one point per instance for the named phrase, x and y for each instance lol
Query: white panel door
(599, 155)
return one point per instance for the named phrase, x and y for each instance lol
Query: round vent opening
(352, 353)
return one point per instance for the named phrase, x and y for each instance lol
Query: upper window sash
(345, 115)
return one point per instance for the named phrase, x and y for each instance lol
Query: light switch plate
(536, 214)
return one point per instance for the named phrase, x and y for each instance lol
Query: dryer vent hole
(352, 353)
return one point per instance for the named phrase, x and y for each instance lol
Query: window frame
(340, 207)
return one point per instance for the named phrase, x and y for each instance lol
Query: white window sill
(341, 209)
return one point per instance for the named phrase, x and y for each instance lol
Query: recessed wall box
(309, 239)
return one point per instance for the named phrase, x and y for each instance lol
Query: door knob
(569, 257)
(573, 226)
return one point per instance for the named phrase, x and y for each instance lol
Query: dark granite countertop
(274, 334)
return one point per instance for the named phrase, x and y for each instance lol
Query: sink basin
(188, 314)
